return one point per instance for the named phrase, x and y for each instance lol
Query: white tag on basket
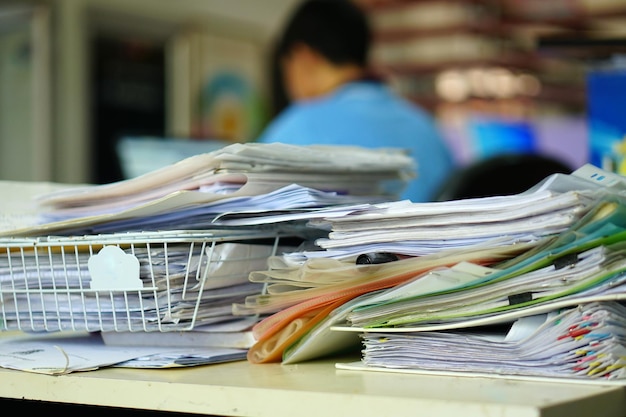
(112, 269)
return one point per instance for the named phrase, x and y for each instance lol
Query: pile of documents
(306, 253)
(587, 260)
(132, 282)
(423, 237)
(410, 229)
(246, 180)
(170, 251)
(587, 342)
(578, 278)
(320, 301)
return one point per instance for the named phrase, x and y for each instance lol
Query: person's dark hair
(337, 29)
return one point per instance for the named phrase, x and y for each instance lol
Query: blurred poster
(606, 88)
(216, 88)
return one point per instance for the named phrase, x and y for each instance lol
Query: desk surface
(312, 389)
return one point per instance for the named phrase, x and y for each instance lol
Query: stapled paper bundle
(586, 342)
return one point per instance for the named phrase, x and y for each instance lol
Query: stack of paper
(587, 260)
(302, 295)
(440, 233)
(307, 294)
(579, 277)
(420, 229)
(129, 282)
(240, 178)
(240, 199)
(409, 229)
(584, 342)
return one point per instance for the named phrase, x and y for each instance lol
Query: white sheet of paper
(62, 354)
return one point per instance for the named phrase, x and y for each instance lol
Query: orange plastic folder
(280, 330)
(271, 346)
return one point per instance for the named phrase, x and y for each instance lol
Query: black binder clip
(375, 258)
(566, 260)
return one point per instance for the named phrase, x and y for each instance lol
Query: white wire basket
(165, 281)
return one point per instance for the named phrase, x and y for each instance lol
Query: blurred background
(101, 90)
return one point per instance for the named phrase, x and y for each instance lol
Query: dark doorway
(128, 98)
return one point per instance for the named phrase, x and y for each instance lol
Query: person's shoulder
(289, 126)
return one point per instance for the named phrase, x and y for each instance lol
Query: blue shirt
(368, 114)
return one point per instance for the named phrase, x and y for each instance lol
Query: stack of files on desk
(304, 298)
(584, 342)
(420, 229)
(310, 292)
(588, 260)
(411, 229)
(200, 194)
(300, 306)
(239, 178)
(177, 284)
(434, 233)
(445, 312)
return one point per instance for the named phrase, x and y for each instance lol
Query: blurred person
(331, 96)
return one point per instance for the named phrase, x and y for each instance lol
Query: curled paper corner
(113, 269)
